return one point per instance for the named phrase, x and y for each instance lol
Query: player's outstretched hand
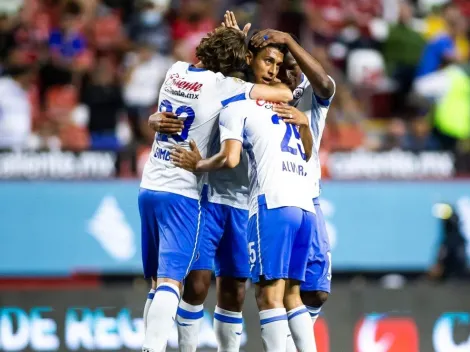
(186, 159)
(269, 36)
(166, 123)
(290, 114)
(231, 22)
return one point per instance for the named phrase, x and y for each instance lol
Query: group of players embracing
(232, 184)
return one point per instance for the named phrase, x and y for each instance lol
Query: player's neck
(199, 65)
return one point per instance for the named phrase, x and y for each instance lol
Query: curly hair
(223, 50)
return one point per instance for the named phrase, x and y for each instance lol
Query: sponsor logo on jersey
(378, 333)
(265, 103)
(180, 83)
(452, 332)
(179, 86)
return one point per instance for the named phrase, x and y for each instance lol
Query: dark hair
(223, 50)
(255, 50)
(245, 73)
(17, 70)
(72, 8)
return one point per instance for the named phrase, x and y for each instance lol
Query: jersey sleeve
(300, 93)
(231, 123)
(230, 90)
(326, 102)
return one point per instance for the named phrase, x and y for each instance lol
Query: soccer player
(313, 93)
(169, 206)
(282, 216)
(224, 235)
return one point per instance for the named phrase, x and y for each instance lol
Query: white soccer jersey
(196, 96)
(228, 186)
(316, 110)
(277, 168)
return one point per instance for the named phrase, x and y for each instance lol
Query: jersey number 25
(290, 129)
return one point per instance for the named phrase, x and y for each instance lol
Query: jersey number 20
(290, 129)
(165, 106)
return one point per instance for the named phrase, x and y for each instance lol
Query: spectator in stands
(395, 135)
(15, 108)
(67, 46)
(149, 25)
(144, 73)
(102, 95)
(194, 23)
(419, 137)
(442, 50)
(402, 51)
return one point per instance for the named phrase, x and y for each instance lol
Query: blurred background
(79, 79)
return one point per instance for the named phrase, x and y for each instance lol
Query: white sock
(148, 302)
(274, 329)
(290, 343)
(188, 320)
(228, 327)
(161, 317)
(314, 313)
(301, 328)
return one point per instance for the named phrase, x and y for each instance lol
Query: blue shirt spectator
(69, 46)
(437, 52)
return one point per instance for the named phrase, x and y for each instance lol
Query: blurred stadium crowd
(85, 74)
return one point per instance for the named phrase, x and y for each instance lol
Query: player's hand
(166, 123)
(290, 114)
(231, 22)
(269, 36)
(186, 159)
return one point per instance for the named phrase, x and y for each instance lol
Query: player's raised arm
(322, 84)
(296, 117)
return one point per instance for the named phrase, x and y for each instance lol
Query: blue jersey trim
(196, 69)
(239, 97)
(322, 101)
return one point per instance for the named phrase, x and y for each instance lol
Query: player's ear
(249, 57)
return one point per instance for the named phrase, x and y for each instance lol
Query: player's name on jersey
(290, 166)
(57, 165)
(395, 164)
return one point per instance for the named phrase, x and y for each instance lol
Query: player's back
(196, 96)
(278, 169)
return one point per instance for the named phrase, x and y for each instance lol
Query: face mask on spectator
(151, 17)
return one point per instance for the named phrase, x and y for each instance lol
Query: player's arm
(227, 157)
(322, 84)
(296, 117)
(231, 125)
(165, 122)
(278, 92)
(230, 90)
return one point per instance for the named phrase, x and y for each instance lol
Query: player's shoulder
(239, 105)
